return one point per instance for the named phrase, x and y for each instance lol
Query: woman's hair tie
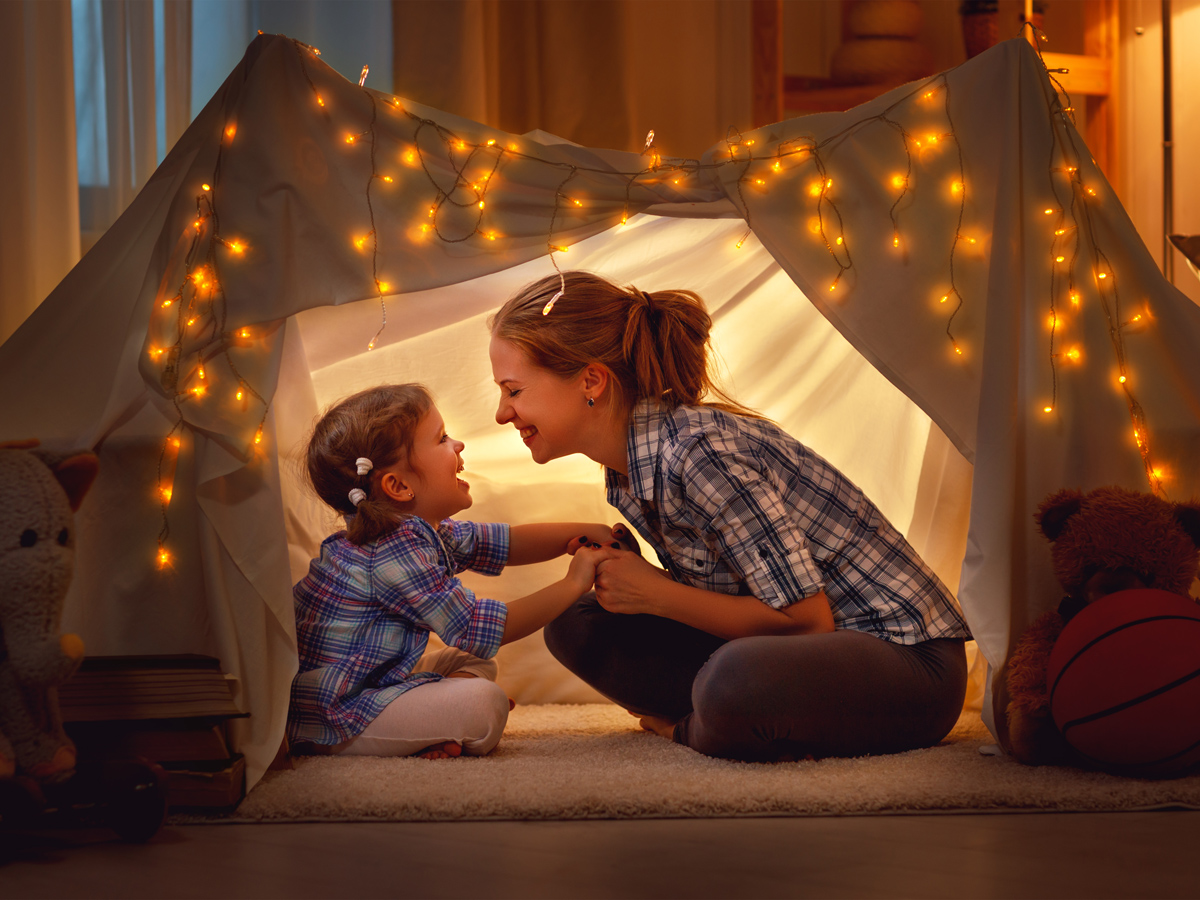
(364, 466)
(649, 301)
(357, 495)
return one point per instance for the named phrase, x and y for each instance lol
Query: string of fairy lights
(463, 173)
(1074, 232)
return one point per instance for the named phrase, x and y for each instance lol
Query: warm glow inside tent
(937, 290)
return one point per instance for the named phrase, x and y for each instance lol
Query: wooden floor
(1143, 855)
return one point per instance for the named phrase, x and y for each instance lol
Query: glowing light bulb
(460, 145)
(320, 102)
(491, 142)
(956, 187)
(240, 394)
(164, 558)
(759, 181)
(198, 390)
(896, 239)
(839, 242)
(1157, 473)
(1059, 258)
(175, 442)
(829, 183)
(1049, 212)
(775, 166)
(258, 436)
(205, 187)
(1102, 275)
(191, 321)
(1048, 409)
(360, 242)
(833, 287)
(1074, 298)
(1073, 354)
(1121, 379)
(750, 143)
(384, 286)
(409, 157)
(738, 245)
(481, 204)
(1090, 191)
(156, 352)
(200, 372)
(491, 235)
(931, 138)
(560, 248)
(945, 297)
(236, 247)
(577, 202)
(815, 189)
(230, 131)
(168, 302)
(898, 181)
(198, 224)
(166, 494)
(350, 139)
(245, 332)
(387, 179)
(927, 95)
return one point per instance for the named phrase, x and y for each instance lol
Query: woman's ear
(595, 380)
(396, 487)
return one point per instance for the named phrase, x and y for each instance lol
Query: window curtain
(39, 216)
(600, 73)
(133, 89)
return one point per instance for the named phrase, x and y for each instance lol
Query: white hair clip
(357, 495)
(364, 465)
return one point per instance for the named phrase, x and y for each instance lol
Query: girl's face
(432, 473)
(551, 413)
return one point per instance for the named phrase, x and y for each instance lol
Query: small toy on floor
(1105, 542)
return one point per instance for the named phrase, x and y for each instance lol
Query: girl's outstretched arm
(548, 540)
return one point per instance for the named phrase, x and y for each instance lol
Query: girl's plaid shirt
(364, 613)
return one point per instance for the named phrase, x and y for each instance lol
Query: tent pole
(1168, 149)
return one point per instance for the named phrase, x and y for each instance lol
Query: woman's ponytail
(656, 345)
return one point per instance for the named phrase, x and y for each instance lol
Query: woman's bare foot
(661, 727)
(444, 750)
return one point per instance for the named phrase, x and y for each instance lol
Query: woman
(792, 620)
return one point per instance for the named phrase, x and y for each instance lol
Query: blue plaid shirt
(364, 613)
(736, 505)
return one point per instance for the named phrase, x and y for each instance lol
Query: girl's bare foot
(661, 727)
(444, 750)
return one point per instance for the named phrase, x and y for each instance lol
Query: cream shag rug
(594, 762)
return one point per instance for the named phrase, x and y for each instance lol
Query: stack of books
(171, 710)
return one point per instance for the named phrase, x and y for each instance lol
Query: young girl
(364, 611)
(793, 619)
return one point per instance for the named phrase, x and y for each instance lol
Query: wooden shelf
(1087, 75)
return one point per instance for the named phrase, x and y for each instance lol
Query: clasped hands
(624, 581)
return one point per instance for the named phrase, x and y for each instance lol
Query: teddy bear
(1108, 540)
(39, 492)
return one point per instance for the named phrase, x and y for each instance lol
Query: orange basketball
(1124, 683)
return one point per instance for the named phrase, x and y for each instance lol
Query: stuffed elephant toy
(39, 492)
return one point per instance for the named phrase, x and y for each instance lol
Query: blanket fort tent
(976, 268)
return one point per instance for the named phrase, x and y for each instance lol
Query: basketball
(1124, 683)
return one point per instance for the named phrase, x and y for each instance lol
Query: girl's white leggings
(470, 711)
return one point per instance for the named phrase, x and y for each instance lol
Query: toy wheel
(136, 799)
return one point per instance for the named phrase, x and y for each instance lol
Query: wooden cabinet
(1091, 79)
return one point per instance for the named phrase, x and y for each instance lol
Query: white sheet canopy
(925, 228)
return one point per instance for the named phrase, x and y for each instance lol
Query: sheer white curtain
(39, 216)
(133, 94)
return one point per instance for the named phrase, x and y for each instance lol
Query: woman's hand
(626, 583)
(602, 534)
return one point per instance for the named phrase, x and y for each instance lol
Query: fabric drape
(601, 74)
(39, 215)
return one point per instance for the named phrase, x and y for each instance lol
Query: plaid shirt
(735, 505)
(364, 613)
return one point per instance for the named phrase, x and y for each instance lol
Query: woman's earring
(591, 402)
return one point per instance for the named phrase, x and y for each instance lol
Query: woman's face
(549, 412)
